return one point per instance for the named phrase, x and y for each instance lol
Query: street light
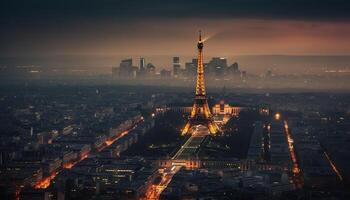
(277, 116)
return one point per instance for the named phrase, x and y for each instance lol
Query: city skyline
(167, 100)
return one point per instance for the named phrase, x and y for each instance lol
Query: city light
(45, 182)
(335, 169)
(277, 116)
(295, 167)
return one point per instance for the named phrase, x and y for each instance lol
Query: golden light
(45, 183)
(277, 116)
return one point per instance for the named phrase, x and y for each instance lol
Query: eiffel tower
(200, 114)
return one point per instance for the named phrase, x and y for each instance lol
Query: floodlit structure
(200, 113)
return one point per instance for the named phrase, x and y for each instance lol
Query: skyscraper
(217, 66)
(142, 64)
(233, 70)
(176, 66)
(142, 68)
(126, 69)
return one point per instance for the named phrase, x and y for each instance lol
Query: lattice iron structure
(200, 113)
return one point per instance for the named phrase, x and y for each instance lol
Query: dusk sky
(159, 27)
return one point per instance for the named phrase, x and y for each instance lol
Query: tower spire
(200, 35)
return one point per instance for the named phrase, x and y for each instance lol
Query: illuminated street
(153, 191)
(334, 167)
(297, 178)
(187, 151)
(46, 181)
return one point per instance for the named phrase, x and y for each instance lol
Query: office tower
(142, 64)
(176, 66)
(126, 69)
(217, 66)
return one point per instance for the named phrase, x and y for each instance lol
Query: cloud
(138, 9)
(152, 26)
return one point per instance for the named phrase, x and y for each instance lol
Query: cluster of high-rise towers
(217, 68)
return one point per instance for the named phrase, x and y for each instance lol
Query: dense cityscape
(174, 100)
(109, 142)
(68, 142)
